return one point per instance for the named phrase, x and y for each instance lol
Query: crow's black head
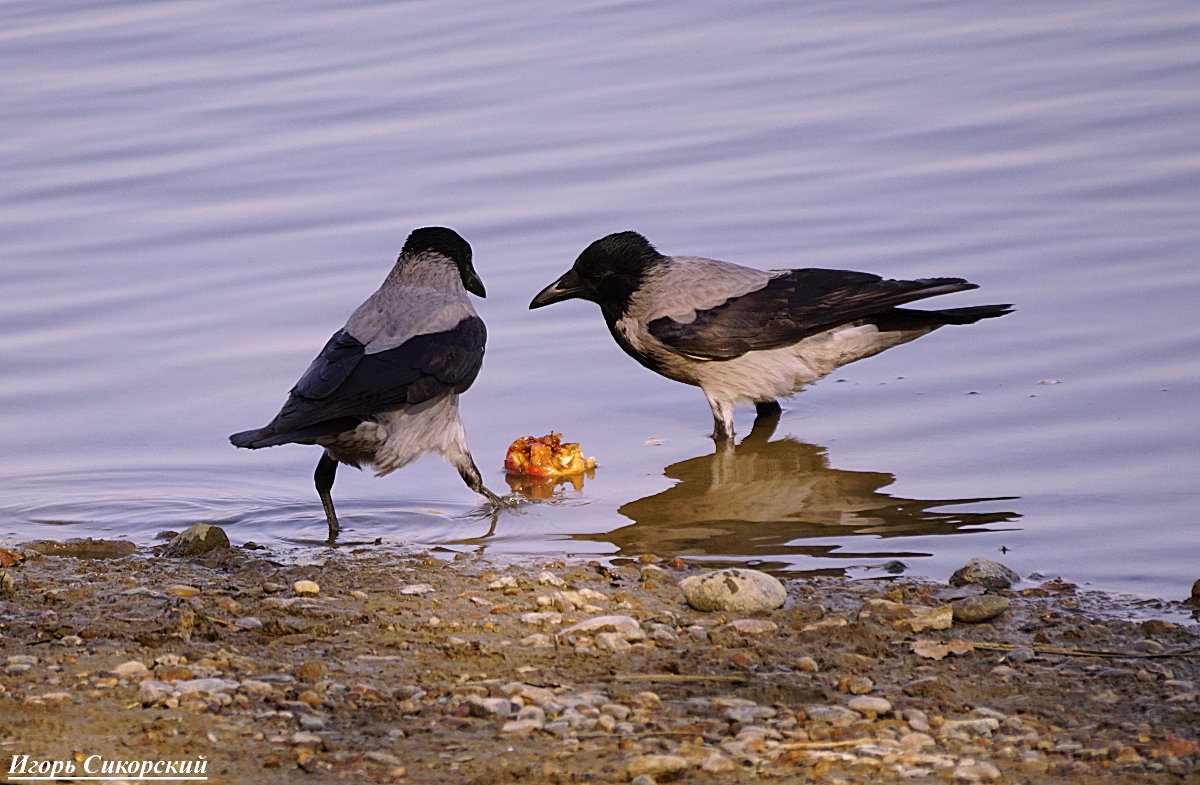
(608, 272)
(447, 243)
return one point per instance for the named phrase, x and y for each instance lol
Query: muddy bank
(376, 666)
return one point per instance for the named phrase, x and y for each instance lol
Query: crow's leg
(722, 412)
(767, 408)
(470, 474)
(323, 477)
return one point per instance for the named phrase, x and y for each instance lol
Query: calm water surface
(196, 194)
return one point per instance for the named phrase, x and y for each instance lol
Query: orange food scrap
(546, 456)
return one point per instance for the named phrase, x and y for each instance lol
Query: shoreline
(412, 668)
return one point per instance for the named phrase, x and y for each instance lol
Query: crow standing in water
(385, 388)
(744, 335)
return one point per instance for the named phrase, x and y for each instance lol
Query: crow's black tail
(912, 319)
(269, 437)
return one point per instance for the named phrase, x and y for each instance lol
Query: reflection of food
(544, 487)
(546, 456)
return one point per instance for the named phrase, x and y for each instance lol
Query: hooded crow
(744, 335)
(385, 388)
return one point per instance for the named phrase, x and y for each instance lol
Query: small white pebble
(306, 588)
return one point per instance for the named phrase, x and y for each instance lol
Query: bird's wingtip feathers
(246, 439)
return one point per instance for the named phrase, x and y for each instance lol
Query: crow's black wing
(345, 384)
(791, 307)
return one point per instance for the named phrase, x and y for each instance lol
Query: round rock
(660, 768)
(196, 539)
(736, 590)
(981, 608)
(991, 575)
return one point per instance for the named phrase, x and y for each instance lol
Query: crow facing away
(385, 388)
(744, 335)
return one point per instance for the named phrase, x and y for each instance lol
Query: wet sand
(415, 669)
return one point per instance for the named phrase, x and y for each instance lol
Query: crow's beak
(472, 282)
(568, 286)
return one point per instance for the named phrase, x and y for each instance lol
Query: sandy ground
(413, 669)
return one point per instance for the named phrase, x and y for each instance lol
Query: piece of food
(546, 456)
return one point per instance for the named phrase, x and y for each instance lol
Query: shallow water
(197, 194)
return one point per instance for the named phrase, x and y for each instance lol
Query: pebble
(752, 628)
(133, 669)
(940, 618)
(306, 588)
(838, 716)
(716, 763)
(856, 685)
(659, 768)
(508, 584)
(532, 714)
(983, 726)
(209, 686)
(379, 756)
(197, 539)
(916, 739)
(257, 687)
(182, 590)
(991, 575)
(541, 618)
(310, 671)
(652, 573)
(736, 590)
(550, 579)
(808, 665)
(977, 772)
(151, 691)
(612, 641)
(305, 737)
(520, 726)
(917, 719)
(625, 626)
(981, 608)
(490, 707)
(868, 706)
(413, 589)
(248, 622)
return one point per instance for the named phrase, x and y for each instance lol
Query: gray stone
(532, 714)
(197, 539)
(869, 706)
(612, 641)
(520, 726)
(991, 575)
(625, 626)
(490, 707)
(981, 608)
(736, 590)
(134, 669)
(205, 686)
(414, 589)
(834, 715)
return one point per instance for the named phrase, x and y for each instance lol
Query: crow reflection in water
(759, 497)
